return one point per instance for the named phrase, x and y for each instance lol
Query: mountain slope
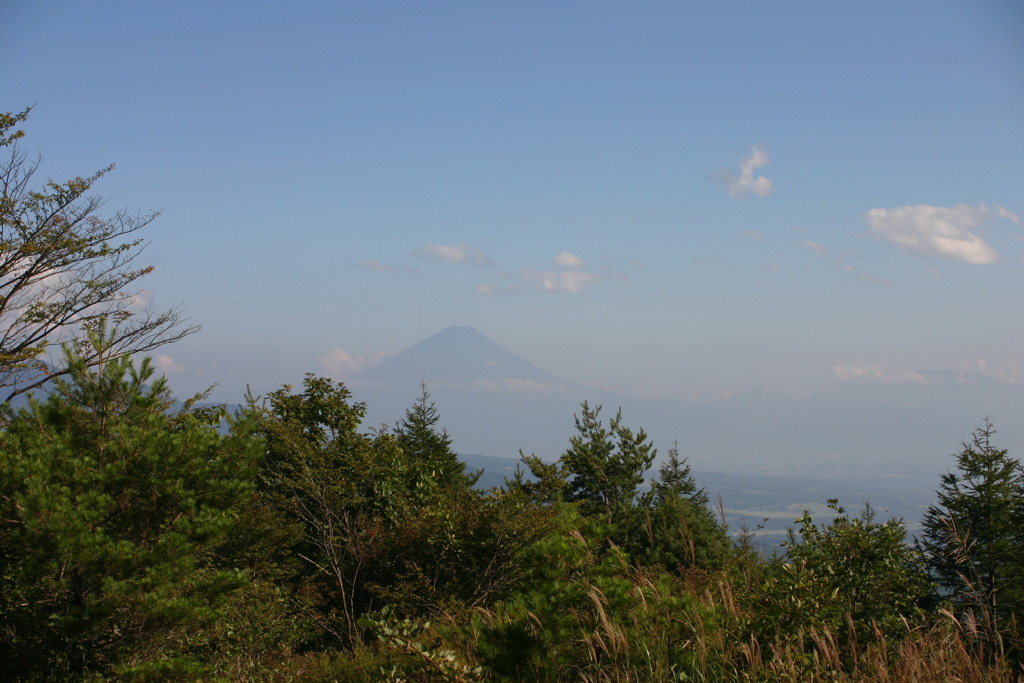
(457, 356)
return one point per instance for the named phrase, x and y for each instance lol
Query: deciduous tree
(63, 268)
(853, 573)
(378, 526)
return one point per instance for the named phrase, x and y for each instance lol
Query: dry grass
(947, 650)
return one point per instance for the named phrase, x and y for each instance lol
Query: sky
(687, 199)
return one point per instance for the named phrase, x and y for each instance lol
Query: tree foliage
(341, 487)
(974, 534)
(678, 527)
(419, 437)
(603, 471)
(379, 526)
(853, 572)
(64, 268)
(113, 506)
(605, 465)
(139, 540)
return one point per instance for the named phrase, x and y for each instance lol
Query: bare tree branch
(63, 268)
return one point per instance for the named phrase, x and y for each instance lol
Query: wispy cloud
(1009, 372)
(746, 182)
(717, 261)
(841, 262)
(814, 246)
(965, 371)
(374, 265)
(570, 275)
(462, 254)
(940, 231)
(559, 281)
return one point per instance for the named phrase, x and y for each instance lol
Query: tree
(112, 508)
(679, 528)
(602, 471)
(344, 490)
(420, 439)
(606, 465)
(851, 574)
(973, 534)
(377, 526)
(63, 269)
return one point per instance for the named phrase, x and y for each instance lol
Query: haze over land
(800, 218)
(495, 403)
(766, 455)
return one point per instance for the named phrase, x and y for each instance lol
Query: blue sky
(685, 199)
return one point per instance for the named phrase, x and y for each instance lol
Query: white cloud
(570, 276)
(523, 385)
(463, 254)
(504, 385)
(937, 230)
(1003, 213)
(341, 364)
(746, 182)
(567, 260)
(167, 365)
(963, 371)
(878, 373)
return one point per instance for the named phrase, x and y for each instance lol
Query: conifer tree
(973, 534)
(680, 530)
(419, 438)
(112, 508)
(606, 465)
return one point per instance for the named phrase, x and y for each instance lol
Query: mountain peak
(460, 332)
(459, 354)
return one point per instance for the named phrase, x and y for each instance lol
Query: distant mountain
(494, 403)
(458, 356)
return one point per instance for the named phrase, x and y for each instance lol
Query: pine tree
(606, 465)
(680, 530)
(419, 438)
(973, 534)
(112, 508)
